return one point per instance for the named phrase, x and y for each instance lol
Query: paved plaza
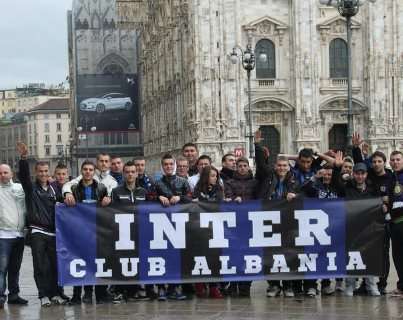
(258, 307)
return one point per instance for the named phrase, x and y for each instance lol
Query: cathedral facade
(192, 92)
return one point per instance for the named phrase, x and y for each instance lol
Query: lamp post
(348, 9)
(86, 129)
(248, 63)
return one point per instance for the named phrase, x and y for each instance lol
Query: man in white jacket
(12, 223)
(102, 175)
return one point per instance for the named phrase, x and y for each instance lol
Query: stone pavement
(258, 307)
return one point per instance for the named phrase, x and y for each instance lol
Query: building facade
(25, 98)
(46, 131)
(192, 92)
(99, 52)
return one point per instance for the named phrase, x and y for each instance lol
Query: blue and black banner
(206, 242)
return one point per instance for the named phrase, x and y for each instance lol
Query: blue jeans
(11, 251)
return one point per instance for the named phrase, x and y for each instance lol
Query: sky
(33, 42)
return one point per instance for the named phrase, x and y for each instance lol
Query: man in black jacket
(129, 193)
(144, 180)
(275, 183)
(395, 202)
(358, 188)
(88, 190)
(228, 170)
(40, 200)
(171, 190)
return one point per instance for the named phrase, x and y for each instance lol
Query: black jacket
(352, 192)
(122, 194)
(267, 178)
(99, 191)
(379, 183)
(40, 202)
(226, 174)
(216, 193)
(396, 199)
(174, 186)
(315, 188)
(241, 186)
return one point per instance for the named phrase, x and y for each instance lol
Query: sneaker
(162, 296)
(200, 289)
(288, 293)
(17, 300)
(118, 298)
(374, 292)
(382, 290)
(75, 300)
(339, 286)
(215, 293)
(87, 298)
(311, 292)
(58, 300)
(372, 287)
(273, 291)
(45, 302)
(142, 295)
(176, 295)
(361, 291)
(397, 293)
(328, 290)
(349, 291)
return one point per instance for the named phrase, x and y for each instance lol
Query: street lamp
(248, 63)
(92, 129)
(348, 9)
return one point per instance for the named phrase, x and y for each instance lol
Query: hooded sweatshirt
(12, 207)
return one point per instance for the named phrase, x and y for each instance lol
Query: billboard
(108, 102)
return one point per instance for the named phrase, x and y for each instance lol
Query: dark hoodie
(241, 186)
(226, 174)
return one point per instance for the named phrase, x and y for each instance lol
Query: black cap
(360, 167)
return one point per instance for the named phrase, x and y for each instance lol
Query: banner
(206, 242)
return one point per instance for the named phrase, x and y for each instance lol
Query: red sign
(239, 152)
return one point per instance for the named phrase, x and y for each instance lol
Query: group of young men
(30, 206)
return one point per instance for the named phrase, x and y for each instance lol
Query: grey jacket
(12, 207)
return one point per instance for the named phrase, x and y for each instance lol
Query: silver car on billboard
(107, 102)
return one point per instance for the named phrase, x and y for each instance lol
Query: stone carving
(265, 28)
(338, 27)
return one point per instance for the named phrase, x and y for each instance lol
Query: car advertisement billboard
(108, 102)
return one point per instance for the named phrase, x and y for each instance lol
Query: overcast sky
(33, 42)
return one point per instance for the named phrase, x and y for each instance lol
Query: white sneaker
(273, 291)
(58, 300)
(288, 293)
(328, 290)
(339, 286)
(372, 287)
(45, 302)
(349, 290)
(311, 292)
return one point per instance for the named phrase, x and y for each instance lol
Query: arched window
(271, 140)
(338, 59)
(113, 69)
(338, 137)
(265, 68)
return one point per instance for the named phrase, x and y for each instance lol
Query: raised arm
(23, 168)
(263, 169)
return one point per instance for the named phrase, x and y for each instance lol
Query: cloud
(33, 42)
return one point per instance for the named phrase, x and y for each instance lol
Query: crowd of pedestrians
(27, 212)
